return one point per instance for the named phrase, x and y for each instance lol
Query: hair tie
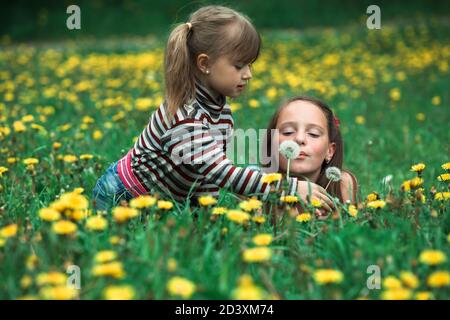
(189, 25)
(337, 122)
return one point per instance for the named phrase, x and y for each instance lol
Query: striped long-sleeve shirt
(186, 156)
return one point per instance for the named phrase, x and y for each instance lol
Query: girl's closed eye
(314, 135)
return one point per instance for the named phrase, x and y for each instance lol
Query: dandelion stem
(327, 185)
(288, 164)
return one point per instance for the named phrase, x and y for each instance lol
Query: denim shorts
(109, 190)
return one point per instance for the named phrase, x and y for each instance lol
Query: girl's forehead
(304, 112)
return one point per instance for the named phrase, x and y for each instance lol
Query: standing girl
(181, 152)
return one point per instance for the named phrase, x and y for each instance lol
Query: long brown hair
(334, 135)
(215, 31)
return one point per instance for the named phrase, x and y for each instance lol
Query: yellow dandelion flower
(396, 294)
(289, 199)
(303, 217)
(392, 283)
(96, 223)
(70, 158)
(395, 94)
(164, 205)
(258, 254)
(115, 240)
(446, 166)
(376, 204)
(444, 177)
(57, 145)
(247, 290)
(8, 231)
(3, 170)
(420, 116)
(326, 276)
(122, 214)
(316, 203)
(143, 103)
(74, 200)
(123, 292)
(105, 256)
(64, 227)
(438, 279)
(253, 103)
(78, 190)
(111, 269)
(178, 286)
(442, 195)
(406, 185)
(372, 197)
(49, 214)
(219, 210)
(360, 120)
(424, 295)
(30, 161)
(143, 201)
(26, 281)
(97, 135)
(436, 100)
(432, 257)
(409, 279)
(18, 126)
(263, 239)
(271, 177)
(12, 160)
(171, 265)
(86, 156)
(58, 293)
(31, 262)
(250, 205)
(259, 219)
(207, 201)
(352, 210)
(418, 167)
(238, 216)
(51, 278)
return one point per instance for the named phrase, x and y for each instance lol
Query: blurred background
(23, 20)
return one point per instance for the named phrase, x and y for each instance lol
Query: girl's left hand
(322, 215)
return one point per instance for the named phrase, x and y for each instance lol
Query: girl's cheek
(318, 149)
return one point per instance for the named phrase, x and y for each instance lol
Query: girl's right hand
(316, 192)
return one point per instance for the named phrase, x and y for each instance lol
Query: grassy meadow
(68, 109)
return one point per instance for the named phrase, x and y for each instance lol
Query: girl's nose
(247, 73)
(300, 138)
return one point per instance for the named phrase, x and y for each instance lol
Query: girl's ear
(331, 150)
(203, 62)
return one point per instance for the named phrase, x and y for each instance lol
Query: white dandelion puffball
(290, 149)
(387, 179)
(333, 174)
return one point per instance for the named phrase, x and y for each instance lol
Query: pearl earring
(207, 71)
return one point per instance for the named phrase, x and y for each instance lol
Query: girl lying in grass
(310, 123)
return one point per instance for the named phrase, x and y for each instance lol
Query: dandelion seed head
(387, 179)
(333, 174)
(290, 149)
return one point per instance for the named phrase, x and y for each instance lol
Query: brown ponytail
(179, 76)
